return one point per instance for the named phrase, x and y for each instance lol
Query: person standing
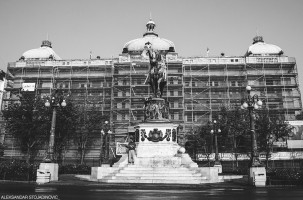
(131, 151)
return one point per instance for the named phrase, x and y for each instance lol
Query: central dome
(136, 46)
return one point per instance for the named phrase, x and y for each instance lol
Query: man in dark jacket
(131, 151)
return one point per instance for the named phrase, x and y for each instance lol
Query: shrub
(285, 174)
(74, 169)
(18, 171)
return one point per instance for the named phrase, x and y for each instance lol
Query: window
(233, 83)
(171, 93)
(189, 118)
(193, 84)
(269, 82)
(179, 93)
(180, 116)
(171, 82)
(180, 105)
(65, 85)
(84, 85)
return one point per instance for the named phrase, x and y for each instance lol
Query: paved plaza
(70, 188)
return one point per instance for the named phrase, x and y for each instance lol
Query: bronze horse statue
(157, 76)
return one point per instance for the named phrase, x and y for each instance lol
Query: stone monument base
(219, 167)
(53, 168)
(157, 149)
(257, 176)
(159, 162)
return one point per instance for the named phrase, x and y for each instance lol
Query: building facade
(196, 86)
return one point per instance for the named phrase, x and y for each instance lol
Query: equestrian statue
(157, 75)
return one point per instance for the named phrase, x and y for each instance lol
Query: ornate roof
(42, 53)
(136, 46)
(259, 47)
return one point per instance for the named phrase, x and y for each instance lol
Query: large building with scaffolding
(196, 86)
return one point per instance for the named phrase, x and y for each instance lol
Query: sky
(76, 27)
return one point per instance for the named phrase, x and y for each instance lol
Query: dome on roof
(42, 53)
(136, 46)
(259, 47)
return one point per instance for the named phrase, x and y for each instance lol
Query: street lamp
(57, 99)
(105, 140)
(215, 131)
(251, 103)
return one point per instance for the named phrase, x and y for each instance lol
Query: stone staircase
(140, 174)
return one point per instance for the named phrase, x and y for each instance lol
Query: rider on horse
(157, 72)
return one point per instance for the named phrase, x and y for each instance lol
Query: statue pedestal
(158, 154)
(157, 149)
(219, 167)
(159, 158)
(257, 176)
(53, 168)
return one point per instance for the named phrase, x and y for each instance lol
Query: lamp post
(251, 103)
(56, 101)
(215, 131)
(105, 132)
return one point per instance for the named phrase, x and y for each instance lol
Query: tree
(199, 140)
(27, 121)
(270, 128)
(88, 122)
(234, 125)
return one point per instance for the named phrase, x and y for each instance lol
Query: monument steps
(160, 174)
(140, 174)
(154, 178)
(156, 181)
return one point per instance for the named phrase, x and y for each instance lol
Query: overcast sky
(76, 27)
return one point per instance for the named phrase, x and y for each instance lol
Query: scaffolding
(196, 87)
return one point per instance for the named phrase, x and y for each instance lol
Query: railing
(214, 60)
(270, 60)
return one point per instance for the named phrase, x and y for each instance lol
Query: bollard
(43, 176)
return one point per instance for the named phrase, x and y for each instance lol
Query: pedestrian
(131, 151)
